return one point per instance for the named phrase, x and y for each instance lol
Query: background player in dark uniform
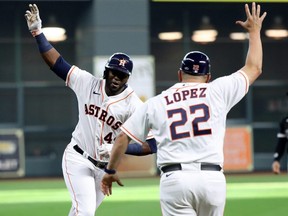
(282, 137)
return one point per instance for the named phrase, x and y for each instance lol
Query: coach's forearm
(253, 65)
(118, 150)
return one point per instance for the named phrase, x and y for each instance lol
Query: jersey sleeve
(231, 88)
(137, 127)
(78, 79)
(134, 103)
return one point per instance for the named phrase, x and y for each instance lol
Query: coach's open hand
(106, 185)
(254, 19)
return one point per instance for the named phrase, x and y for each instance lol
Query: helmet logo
(122, 62)
(196, 68)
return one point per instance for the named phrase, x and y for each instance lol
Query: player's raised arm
(253, 25)
(50, 55)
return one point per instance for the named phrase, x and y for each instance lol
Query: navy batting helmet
(196, 63)
(120, 62)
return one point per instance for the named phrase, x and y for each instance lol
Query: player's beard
(114, 87)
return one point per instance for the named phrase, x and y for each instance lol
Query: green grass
(247, 194)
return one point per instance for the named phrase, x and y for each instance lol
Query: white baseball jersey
(188, 120)
(100, 116)
(188, 123)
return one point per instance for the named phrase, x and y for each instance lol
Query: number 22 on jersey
(184, 120)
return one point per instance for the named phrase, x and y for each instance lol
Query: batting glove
(34, 22)
(105, 152)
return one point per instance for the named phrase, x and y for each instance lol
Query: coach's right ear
(208, 78)
(180, 76)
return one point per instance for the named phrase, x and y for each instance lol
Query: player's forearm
(52, 57)
(48, 52)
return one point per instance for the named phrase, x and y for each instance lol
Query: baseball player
(282, 137)
(104, 105)
(188, 123)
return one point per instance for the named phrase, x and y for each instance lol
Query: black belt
(175, 167)
(99, 164)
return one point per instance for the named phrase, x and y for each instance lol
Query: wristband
(61, 68)
(109, 171)
(36, 32)
(134, 149)
(43, 43)
(152, 144)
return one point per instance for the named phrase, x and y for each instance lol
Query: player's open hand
(254, 18)
(32, 16)
(106, 185)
